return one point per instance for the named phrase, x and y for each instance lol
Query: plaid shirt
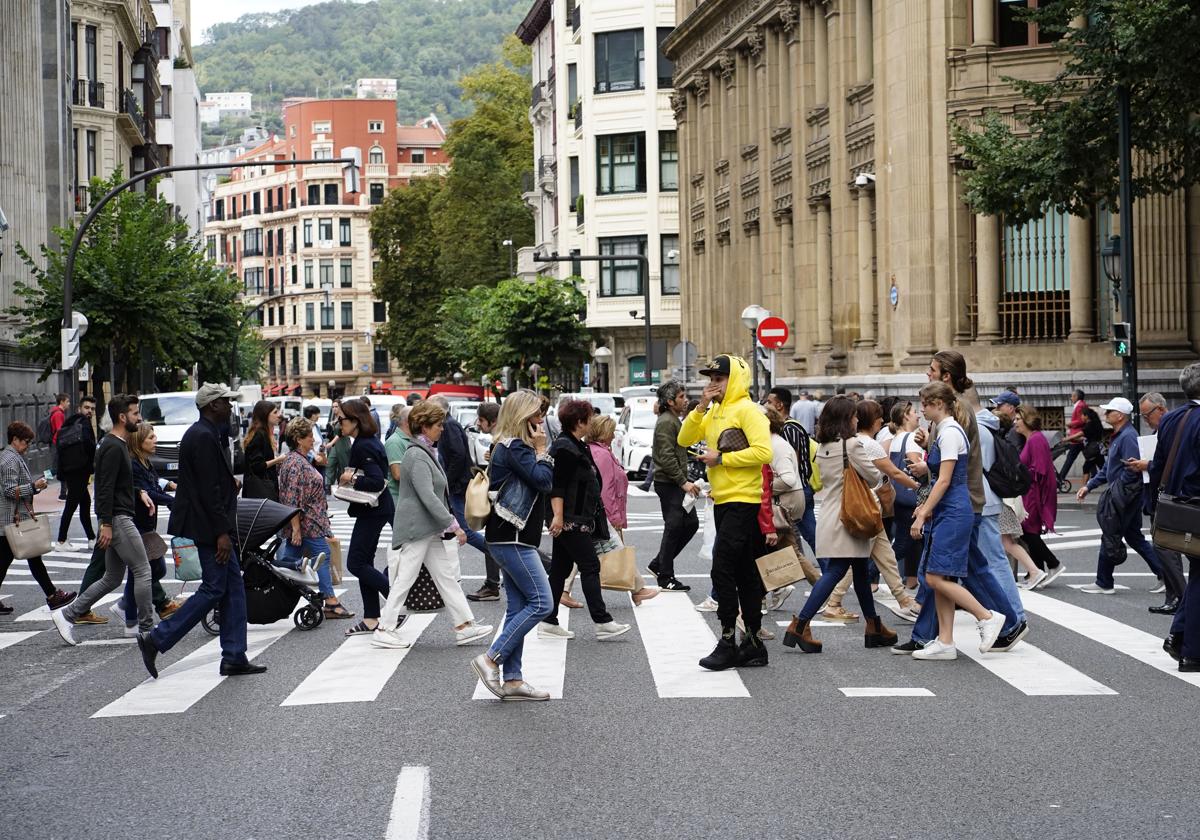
(301, 485)
(16, 483)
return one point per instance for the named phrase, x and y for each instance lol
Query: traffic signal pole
(1129, 369)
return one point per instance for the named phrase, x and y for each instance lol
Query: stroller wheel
(1064, 485)
(212, 622)
(308, 618)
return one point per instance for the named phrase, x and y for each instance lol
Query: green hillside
(321, 50)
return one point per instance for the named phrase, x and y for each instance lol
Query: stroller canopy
(260, 519)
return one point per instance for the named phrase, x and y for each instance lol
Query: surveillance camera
(3, 221)
(864, 179)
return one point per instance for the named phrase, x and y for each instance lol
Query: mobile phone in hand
(48, 475)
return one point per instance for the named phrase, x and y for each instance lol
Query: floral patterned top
(302, 485)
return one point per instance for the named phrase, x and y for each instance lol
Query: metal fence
(30, 409)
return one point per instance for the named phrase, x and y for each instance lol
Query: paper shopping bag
(618, 570)
(335, 560)
(780, 568)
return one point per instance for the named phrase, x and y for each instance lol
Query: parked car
(172, 413)
(610, 404)
(289, 406)
(636, 431)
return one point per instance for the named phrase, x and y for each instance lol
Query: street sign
(587, 374)
(684, 354)
(772, 332)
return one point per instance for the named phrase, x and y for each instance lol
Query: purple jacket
(1041, 500)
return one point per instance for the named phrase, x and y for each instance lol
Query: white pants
(404, 564)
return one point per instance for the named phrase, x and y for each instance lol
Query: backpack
(45, 432)
(71, 433)
(1008, 477)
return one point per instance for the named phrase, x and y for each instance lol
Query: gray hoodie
(991, 502)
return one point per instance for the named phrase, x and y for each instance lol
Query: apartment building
(177, 111)
(301, 244)
(820, 181)
(606, 178)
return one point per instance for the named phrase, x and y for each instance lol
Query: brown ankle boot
(877, 635)
(799, 635)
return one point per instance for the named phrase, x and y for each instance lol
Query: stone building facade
(819, 180)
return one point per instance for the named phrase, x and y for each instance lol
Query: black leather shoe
(1169, 608)
(149, 653)
(1187, 665)
(724, 655)
(239, 669)
(1173, 645)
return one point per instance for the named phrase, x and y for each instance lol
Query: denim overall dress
(949, 541)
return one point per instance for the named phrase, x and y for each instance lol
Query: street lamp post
(603, 356)
(643, 262)
(751, 316)
(512, 264)
(1129, 370)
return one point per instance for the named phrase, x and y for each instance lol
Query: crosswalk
(672, 636)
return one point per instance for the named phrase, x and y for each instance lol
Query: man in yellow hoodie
(738, 440)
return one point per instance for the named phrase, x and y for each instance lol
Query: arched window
(375, 155)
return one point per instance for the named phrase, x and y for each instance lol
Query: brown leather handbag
(861, 516)
(886, 493)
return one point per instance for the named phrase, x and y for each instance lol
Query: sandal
(337, 611)
(360, 629)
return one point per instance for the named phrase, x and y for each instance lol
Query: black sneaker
(752, 653)
(907, 648)
(673, 585)
(653, 567)
(1003, 644)
(724, 655)
(485, 593)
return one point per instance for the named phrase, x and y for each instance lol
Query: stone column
(987, 279)
(824, 284)
(983, 23)
(820, 53)
(863, 43)
(866, 269)
(1083, 284)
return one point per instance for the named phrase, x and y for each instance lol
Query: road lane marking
(409, 819)
(543, 662)
(1026, 668)
(886, 692)
(1134, 643)
(357, 671)
(10, 639)
(182, 684)
(676, 638)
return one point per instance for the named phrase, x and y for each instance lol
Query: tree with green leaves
(482, 204)
(146, 287)
(1067, 158)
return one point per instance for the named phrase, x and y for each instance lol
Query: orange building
(301, 244)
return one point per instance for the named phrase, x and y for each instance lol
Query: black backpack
(1008, 477)
(45, 432)
(72, 432)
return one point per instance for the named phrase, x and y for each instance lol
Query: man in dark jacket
(205, 512)
(76, 449)
(672, 486)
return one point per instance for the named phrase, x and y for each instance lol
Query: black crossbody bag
(1176, 524)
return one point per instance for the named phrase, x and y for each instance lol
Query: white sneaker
(131, 630)
(91, 545)
(936, 650)
(707, 605)
(774, 600)
(1158, 590)
(1034, 581)
(1096, 589)
(610, 630)
(388, 639)
(908, 614)
(63, 625)
(989, 630)
(554, 631)
(117, 608)
(472, 633)
(1051, 574)
(65, 545)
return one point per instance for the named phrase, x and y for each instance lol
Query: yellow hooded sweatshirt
(738, 478)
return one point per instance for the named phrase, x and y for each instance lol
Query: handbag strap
(1175, 448)
(845, 457)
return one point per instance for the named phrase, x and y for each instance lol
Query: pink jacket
(1041, 501)
(615, 492)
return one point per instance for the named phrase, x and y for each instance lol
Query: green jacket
(338, 458)
(670, 459)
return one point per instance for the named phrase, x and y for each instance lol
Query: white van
(172, 413)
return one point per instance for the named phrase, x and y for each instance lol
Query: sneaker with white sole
(1034, 581)
(65, 545)
(1051, 574)
(472, 633)
(1096, 589)
(554, 631)
(776, 599)
(936, 650)
(388, 639)
(989, 630)
(610, 630)
(117, 608)
(707, 605)
(908, 613)
(63, 625)
(131, 630)
(1159, 589)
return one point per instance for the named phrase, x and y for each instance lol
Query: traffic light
(1121, 342)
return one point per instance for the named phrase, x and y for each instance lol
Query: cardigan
(423, 509)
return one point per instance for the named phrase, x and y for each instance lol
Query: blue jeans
(982, 581)
(1136, 540)
(806, 526)
(293, 555)
(527, 601)
(832, 571)
(220, 586)
(988, 542)
(360, 562)
(458, 506)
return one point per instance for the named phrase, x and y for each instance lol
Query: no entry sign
(772, 332)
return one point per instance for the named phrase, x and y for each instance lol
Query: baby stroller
(270, 594)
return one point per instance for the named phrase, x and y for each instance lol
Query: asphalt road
(1081, 732)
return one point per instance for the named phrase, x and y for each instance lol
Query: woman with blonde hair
(521, 476)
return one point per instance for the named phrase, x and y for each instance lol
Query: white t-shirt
(872, 449)
(884, 437)
(952, 440)
(910, 446)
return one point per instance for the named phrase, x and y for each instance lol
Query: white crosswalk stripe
(676, 637)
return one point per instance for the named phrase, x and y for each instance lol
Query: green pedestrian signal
(1121, 343)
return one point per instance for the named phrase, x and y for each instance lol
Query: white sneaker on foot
(388, 639)
(554, 631)
(1096, 589)
(774, 600)
(63, 625)
(65, 545)
(1034, 581)
(117, 608)
(1051, 574)
(610, 630)
(131, 630)
(936, 650)
(707, 605)
(989, 630)
(472, 633)
(1159, 589)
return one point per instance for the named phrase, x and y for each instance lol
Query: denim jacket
(516, 478)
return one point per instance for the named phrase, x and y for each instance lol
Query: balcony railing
(576, 17)
(578, 114)
(81, 200)
(538, 94)
(134, 111)
(88, 93)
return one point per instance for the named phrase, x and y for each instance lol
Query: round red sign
(772, 332)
